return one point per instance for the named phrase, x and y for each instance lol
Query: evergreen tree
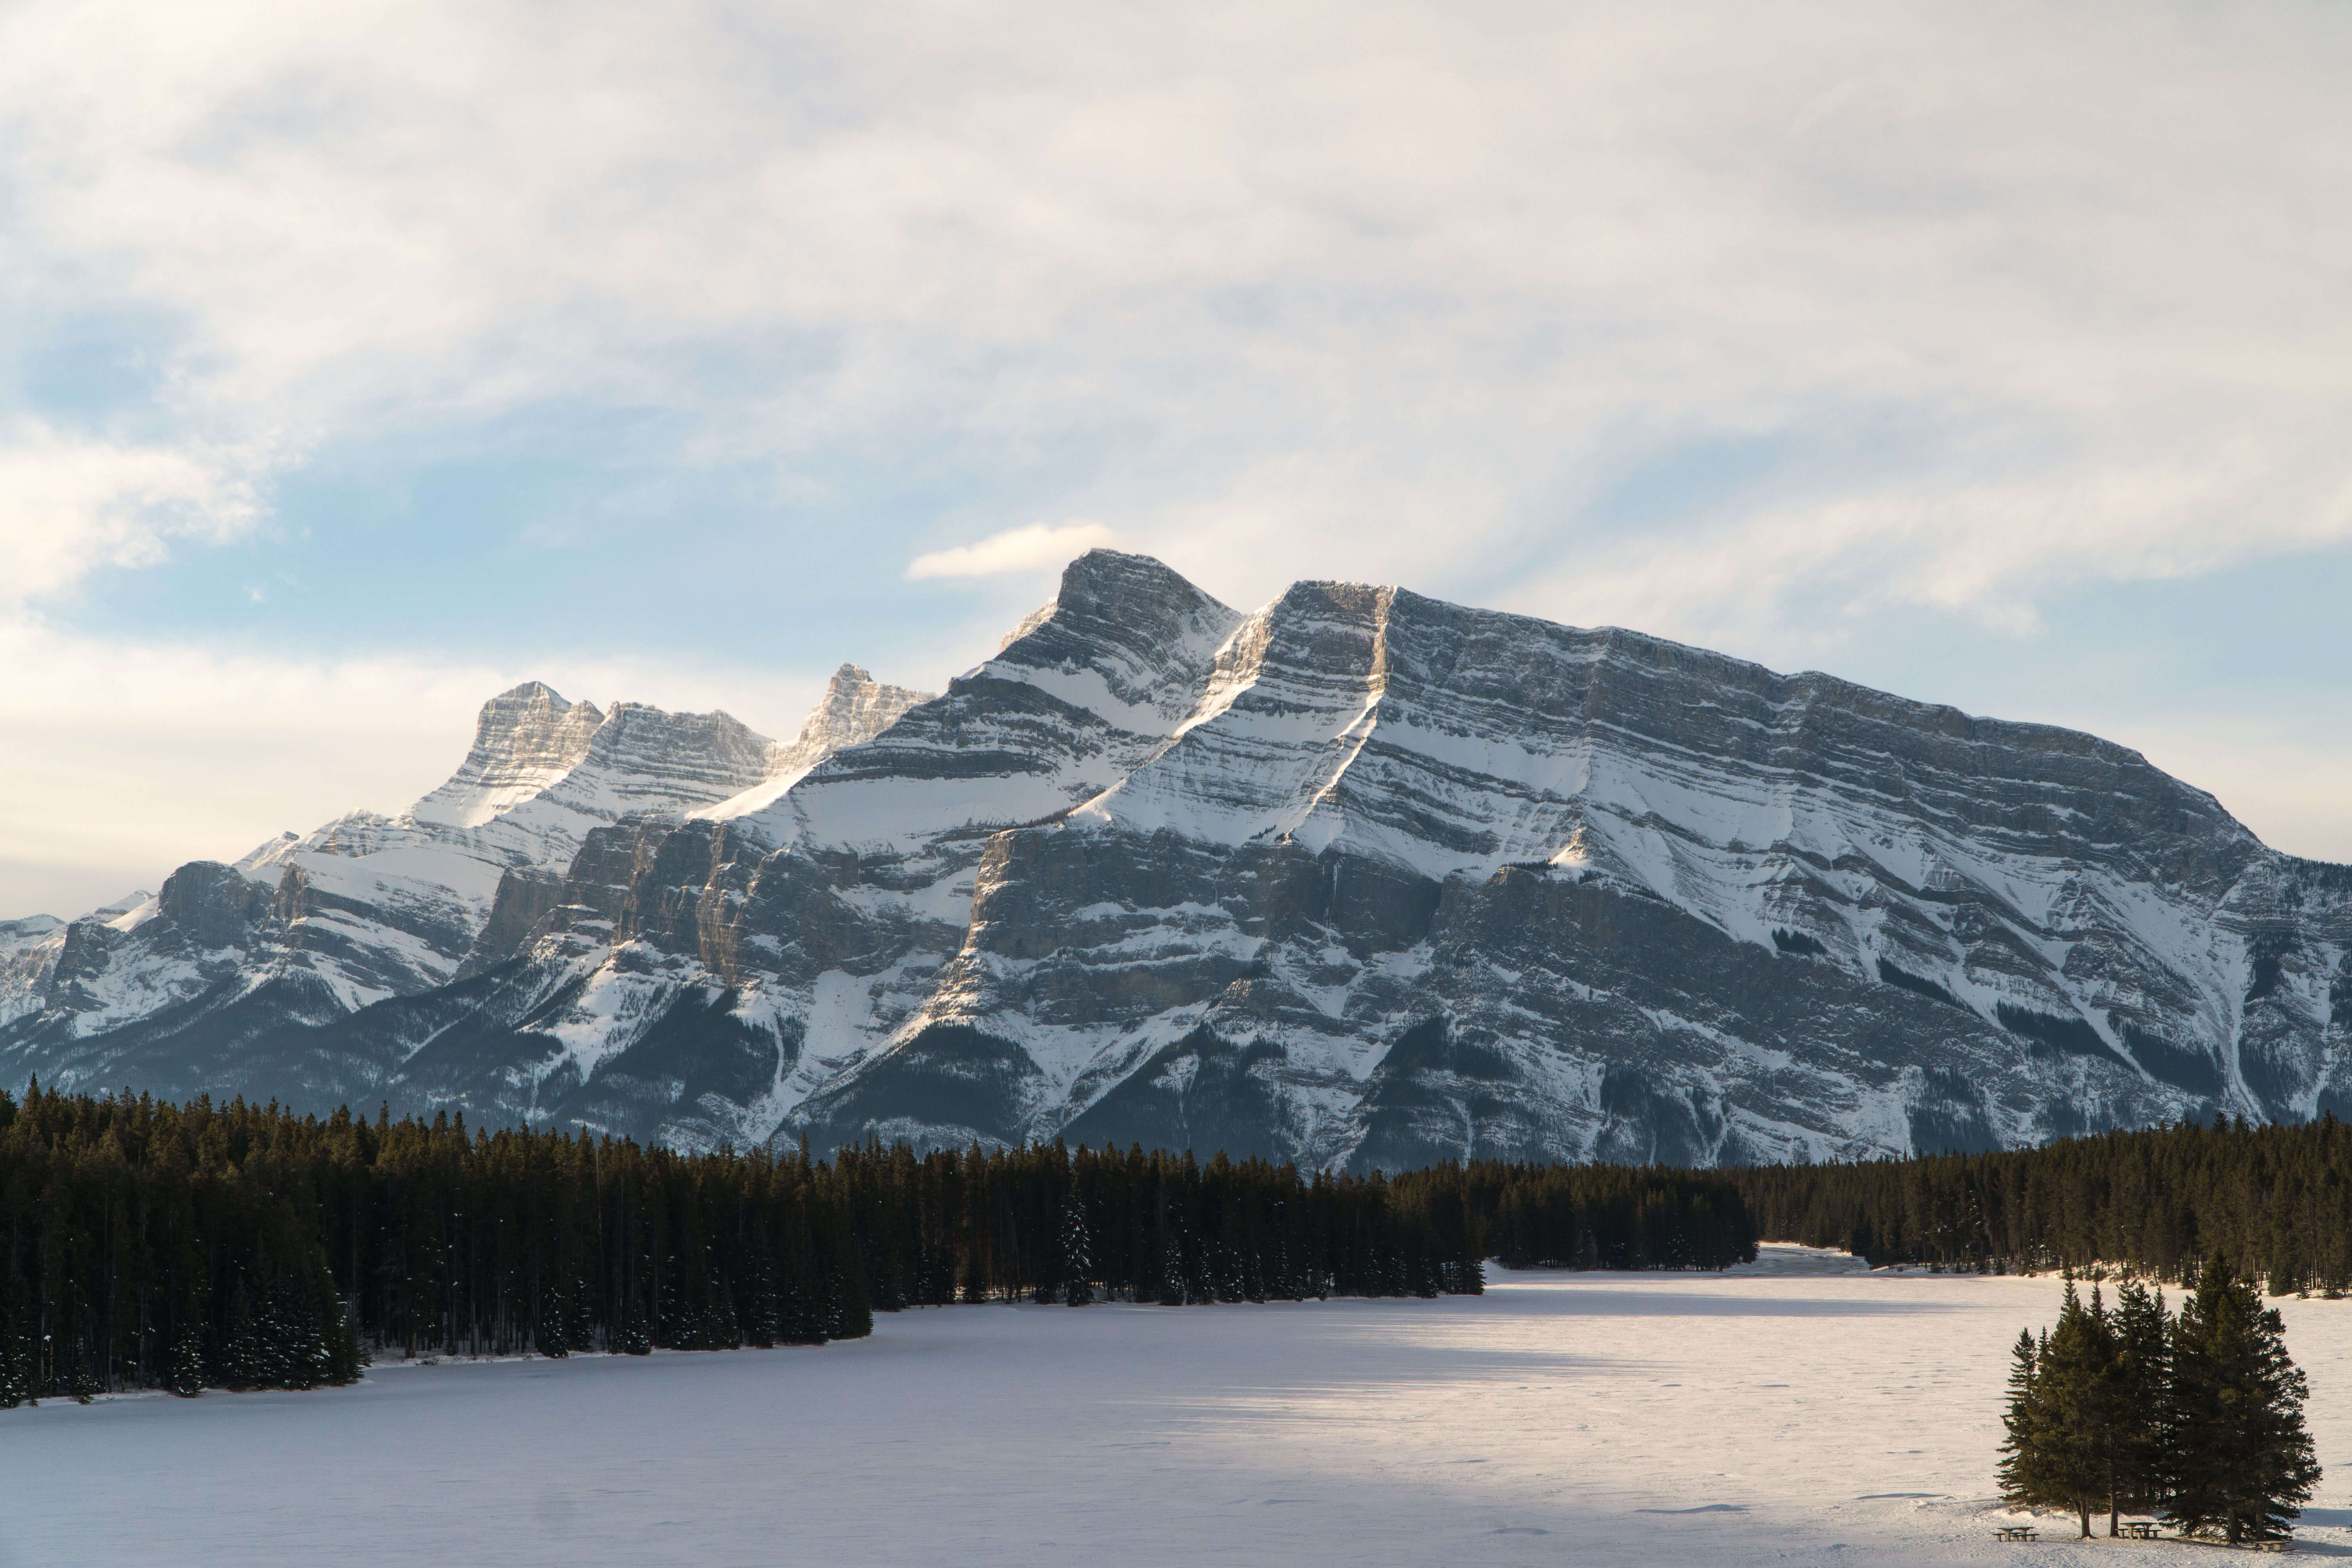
(81, 1380)
(1078, 1255)
(2239, 1458)
(311, 1316)
(2105, 1413)
(580, 1321)
(242, 1364)
(853, 1315)
(17, 1381)
(553, 1336)
(2022, 1485)
(187, 1377)
(1171, 1272)
(2061, 1458)
(720, 1330)
(338, 1354)
(2143, 1377)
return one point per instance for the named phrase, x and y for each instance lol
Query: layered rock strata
(1362, 879)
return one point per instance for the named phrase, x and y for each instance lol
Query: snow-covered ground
(1802, 1411)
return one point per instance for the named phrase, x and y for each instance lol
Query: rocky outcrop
(1360, 878)
(855, 707)
(211, 906)
(526, 739)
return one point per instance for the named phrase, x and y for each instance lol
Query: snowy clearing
(1799, 1411)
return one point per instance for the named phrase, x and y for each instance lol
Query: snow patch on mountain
(1357, 878)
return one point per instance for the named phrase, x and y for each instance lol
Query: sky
(359, 362)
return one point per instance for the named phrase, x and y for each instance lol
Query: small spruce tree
(552, 1335)
(17, 1365)
(81, 1380)
(344, 1356)
(1171, 1271)
(187, 1379)
(632, 1338)
(1078, 1255)
(580, 1324)
(242, 1360)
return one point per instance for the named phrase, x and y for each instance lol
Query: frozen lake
(1798, 1412)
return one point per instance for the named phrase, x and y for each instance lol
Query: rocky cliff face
(525, 740)
(1360, 878)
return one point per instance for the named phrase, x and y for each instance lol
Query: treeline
(2271, 1201)
(1043, 1224)
(1591, 1216)
(147, 1244)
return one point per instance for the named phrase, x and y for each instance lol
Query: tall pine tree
(2077, 1381)
(2143, 1377)
(2060, 1449)
(2021, 1482)
(2239, 1458)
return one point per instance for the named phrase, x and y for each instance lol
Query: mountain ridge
(1357, 878)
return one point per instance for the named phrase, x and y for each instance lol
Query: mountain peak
(643, 756)
(1130, 620)
(1103, 581)
(525, 739)
(854, 708)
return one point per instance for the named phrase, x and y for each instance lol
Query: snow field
(1801, 1411)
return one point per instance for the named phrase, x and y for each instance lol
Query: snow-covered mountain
(214, 983)
(1360, 877)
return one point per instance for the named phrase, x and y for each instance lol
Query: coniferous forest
(151, 1245)
(2273, 1202)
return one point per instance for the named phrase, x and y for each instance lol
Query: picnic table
(2139, 1530)
(2017, 1533)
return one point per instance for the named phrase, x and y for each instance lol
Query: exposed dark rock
(1360, 879)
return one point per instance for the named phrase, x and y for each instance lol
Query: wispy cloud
(71, 505)
(1030, 549)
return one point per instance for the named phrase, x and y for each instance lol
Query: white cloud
(1990, 546)
(1032, 549)
(2052, 249)
(70, 506)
